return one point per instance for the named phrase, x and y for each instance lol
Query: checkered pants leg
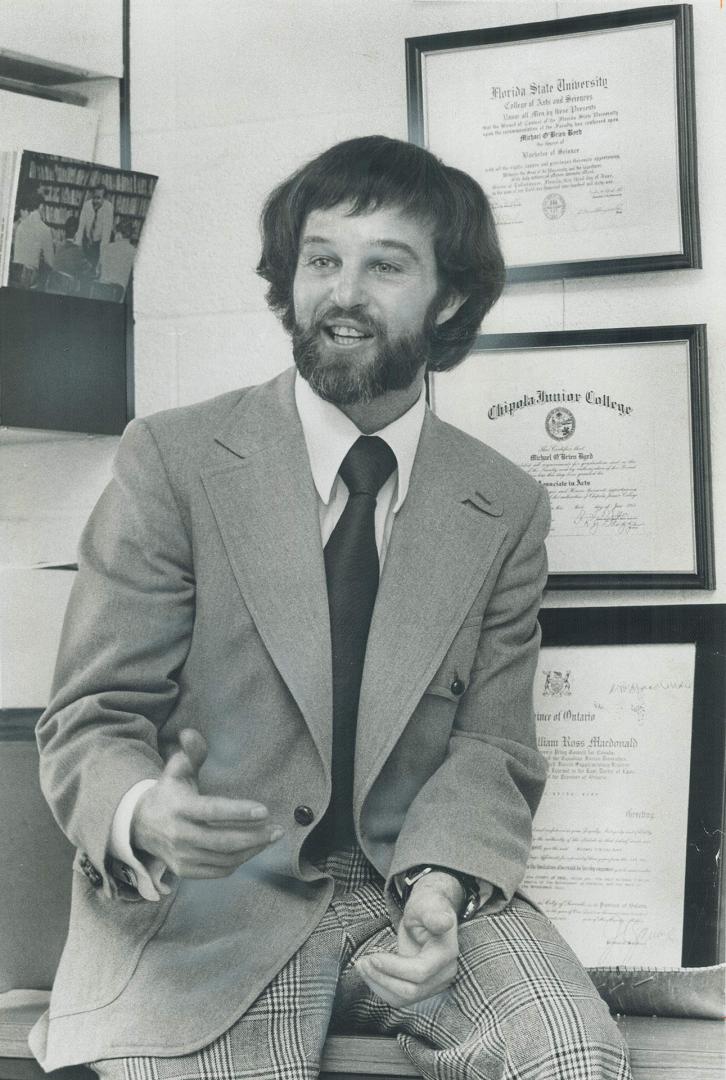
(521, 1006)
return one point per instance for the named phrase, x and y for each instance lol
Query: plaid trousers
(521, 1006)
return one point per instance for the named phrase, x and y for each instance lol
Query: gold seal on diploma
(554, 206)
(560, 423)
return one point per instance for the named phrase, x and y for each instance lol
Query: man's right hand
(197, 836)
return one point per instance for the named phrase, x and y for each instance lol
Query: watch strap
(470, 885)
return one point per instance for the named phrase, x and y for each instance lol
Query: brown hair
(376, 171)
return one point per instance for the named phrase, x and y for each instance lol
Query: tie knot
(367, 465)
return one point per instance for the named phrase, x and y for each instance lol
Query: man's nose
(348, 287)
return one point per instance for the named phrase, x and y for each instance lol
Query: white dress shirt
(95, 225)
(32, 239)
(329, 435)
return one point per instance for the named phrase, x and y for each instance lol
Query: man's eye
(385, 268)
(321, 262)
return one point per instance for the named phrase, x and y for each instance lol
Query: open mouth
(347, 336)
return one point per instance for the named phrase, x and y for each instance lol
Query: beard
(341, 380)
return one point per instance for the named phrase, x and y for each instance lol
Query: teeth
(346, 332)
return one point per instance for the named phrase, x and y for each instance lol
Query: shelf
(30, 69)
(84, 187)
(30, 89)
(36, 78)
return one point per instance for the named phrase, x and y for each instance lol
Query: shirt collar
(329, 435)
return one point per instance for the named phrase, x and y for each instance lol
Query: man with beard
(291, 732)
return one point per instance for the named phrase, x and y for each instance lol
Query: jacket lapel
(265, 505)
(445, 538)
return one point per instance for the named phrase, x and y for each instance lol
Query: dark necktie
(351, 570)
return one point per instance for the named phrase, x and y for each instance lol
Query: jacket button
(128, 875)
(91, 872)
(457, 686)
(303, 815)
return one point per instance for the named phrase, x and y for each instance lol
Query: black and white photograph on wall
(75, 225)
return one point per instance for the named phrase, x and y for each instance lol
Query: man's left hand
(428, 945)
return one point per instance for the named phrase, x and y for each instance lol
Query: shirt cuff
(140, 870)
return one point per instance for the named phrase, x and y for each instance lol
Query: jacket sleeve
(474, 814)
(126, 634)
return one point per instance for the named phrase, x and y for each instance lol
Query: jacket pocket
(452, 677)
(106, 938)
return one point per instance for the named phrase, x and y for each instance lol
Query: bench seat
(661, 1048)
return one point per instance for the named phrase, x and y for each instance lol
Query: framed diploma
(629, 706)
(614, 423)
(587, 152)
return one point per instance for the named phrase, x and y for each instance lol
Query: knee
(593, 1048)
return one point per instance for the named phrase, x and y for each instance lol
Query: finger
(218, 810)
(179, 767)
(194, 745)
(397, 992)
(200, 840)
(417, 970)
(185, 763)
(414, 935)
(436, 921)
(376, 983)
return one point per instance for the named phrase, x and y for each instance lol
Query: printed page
(609, 850)
(607, 430)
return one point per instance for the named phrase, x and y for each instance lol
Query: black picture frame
(700, 495)
(704, 625)
(689, 255)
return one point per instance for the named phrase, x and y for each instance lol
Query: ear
(453, 303)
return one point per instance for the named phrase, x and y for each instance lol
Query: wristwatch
(469, 904)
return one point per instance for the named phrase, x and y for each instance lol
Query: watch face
(470, 907)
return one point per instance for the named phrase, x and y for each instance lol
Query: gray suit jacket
(201, 602)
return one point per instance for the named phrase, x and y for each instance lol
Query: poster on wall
(587, 154)
(614, 423)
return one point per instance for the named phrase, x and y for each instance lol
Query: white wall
(81, 34)
(229, 98)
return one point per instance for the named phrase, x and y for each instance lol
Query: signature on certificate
(606, 516)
